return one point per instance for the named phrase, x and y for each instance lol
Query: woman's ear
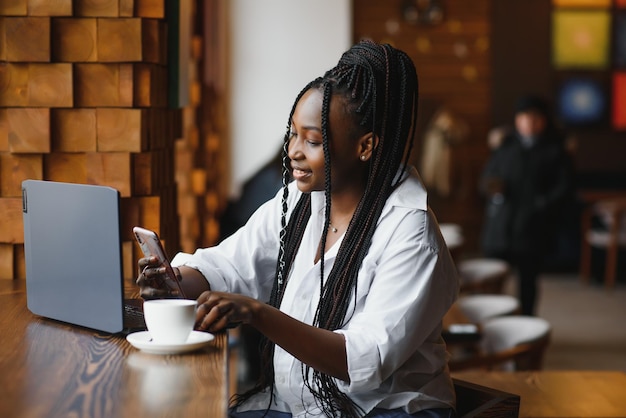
(367, 145)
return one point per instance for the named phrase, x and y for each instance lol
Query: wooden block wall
(83, 99)
(200, 162)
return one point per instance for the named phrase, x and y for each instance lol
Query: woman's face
(306, 150)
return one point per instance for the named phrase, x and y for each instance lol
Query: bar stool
(478, 308)
(511, 343)
(511, 333)
(483, 275)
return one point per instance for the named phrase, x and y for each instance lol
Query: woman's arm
(192, 282)
(243, 263)
(321, 349)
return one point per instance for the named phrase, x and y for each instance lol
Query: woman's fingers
(147, 269)
(153, 293)
(151, 279)
(146, 261)
(213, 312)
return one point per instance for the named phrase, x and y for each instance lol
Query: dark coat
(535, 183)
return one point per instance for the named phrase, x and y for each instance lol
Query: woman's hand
(218, 310)
(152, 279)
(321, 349)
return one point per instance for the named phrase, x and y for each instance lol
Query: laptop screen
(73, 253)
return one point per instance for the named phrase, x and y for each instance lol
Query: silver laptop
(74, 256)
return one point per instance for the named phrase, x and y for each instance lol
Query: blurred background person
(444, 131)
(527, 180)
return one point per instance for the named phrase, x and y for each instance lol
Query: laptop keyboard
(133, 317)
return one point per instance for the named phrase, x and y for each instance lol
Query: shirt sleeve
(413, 284)
(245, 262)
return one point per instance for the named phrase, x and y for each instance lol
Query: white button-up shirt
(406, 283)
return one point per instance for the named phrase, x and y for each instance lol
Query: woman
(344, 272)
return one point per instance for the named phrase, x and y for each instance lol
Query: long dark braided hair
(379, 89)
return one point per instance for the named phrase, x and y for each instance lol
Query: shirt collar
(410, 193)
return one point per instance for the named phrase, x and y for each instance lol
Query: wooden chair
(477, 401)
(514, 343)
(612, 212)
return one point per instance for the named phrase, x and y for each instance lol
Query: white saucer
(143, 341)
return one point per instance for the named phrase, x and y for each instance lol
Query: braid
(378, 85)
(327, 185)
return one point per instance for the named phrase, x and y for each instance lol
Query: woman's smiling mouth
(299, 174)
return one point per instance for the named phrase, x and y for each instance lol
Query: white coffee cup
(170, 321)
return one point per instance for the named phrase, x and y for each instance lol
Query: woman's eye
(313, 143)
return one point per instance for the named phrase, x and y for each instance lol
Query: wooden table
(51, 369)
(559, 393)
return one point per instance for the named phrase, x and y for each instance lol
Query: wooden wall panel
(150, 8)
(29, 130)
(50, 85)
(11, 229)
(146, 82)
(121, 130)
(76, 106)
(104, 85)
(27, 39)
(3, 40)
(4, 130)
(199, 157)
(13, 7)
(453, 62)
(75, 40)
(119, 40)
(14, 168)
(50, 7)
(6, 261)
(97, 8)
(73, 130)
(65, 167)
(13, 84)
(110, 169)
(36, 85)
(153, 34)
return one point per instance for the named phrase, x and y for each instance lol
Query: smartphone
(151, 246)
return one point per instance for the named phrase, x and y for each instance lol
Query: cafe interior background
(177, 104)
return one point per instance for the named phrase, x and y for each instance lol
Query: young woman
(344, 272)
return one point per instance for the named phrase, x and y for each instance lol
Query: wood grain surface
(52, 369)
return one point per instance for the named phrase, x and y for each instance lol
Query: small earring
(363, 157)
